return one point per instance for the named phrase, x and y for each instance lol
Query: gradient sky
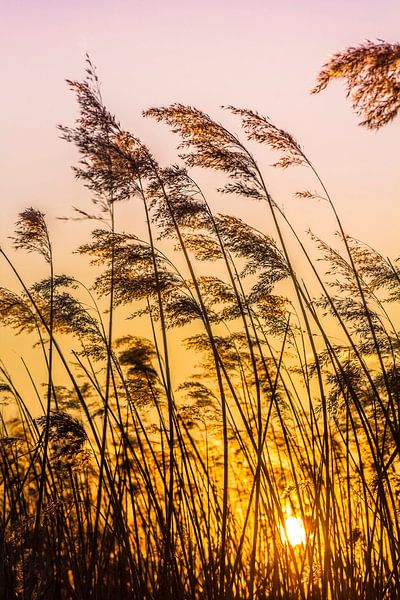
(259, 54)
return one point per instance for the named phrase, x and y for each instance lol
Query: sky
(260, 54)
(257, 54)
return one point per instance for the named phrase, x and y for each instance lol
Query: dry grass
(132, 483)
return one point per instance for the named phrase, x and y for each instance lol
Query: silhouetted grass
(136, 482)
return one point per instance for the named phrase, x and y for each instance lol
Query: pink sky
(259, 54)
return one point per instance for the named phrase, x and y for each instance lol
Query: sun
(293, 531)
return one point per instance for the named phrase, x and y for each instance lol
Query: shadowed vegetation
(148, 471)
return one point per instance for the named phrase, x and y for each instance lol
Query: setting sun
(293, 531)
(199, 300)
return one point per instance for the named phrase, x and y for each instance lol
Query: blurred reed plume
(371, 72)
(246, 446)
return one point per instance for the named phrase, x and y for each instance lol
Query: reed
(269, 470)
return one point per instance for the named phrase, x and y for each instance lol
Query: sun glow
(293, 531)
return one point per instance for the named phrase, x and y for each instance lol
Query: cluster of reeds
(140, 480)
